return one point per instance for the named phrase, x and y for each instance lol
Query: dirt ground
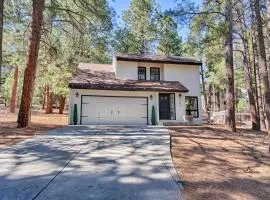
(40, 123)
(214, 163)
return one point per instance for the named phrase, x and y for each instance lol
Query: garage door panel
(114, 110)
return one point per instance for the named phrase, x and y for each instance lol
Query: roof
(157, 59)
(102, 77)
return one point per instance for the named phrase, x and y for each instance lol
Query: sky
(121, 5)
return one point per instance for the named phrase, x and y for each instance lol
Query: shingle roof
(157, 59)
(102, 77)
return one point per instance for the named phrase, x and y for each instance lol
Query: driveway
(88, 162)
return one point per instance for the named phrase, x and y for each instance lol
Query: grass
(40, 123)
(214, 163)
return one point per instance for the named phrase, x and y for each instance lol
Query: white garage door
(114, 110)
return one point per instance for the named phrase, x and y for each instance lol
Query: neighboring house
(125, 92)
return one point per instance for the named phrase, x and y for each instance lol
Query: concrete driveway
(88, 162)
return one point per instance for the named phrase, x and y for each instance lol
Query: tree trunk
(210, 94)
(262, 61)
(236, 99)
(50, 103)
(214, 99)
(268, 29)
(47, 99)
(1, 38)
(44, 98)
(62, 103)
(203, 88)
(230, 100)
(252, 104)
(30, 70)
(209, 103)
(218, 99)
(255, 68)
(257, 79)
(247, 69)
(13, 98)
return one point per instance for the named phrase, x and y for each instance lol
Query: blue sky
(121, 5)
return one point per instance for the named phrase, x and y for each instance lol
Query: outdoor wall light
(151, 97)
(180, 95)
(77, 94)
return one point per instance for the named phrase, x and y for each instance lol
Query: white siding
(189, 76)
(127, 70)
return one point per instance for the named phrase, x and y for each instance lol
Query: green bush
(242, 105)
(75, 114)
(153, 116)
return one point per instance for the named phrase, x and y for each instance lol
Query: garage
(114, 110)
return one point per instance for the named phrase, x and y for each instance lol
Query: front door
(164, 106)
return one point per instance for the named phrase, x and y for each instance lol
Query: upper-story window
(154, 74)
(141, 73)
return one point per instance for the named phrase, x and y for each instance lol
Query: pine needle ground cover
(40, 123)
(213, 163)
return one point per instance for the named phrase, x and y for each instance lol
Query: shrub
(75, 115)
(153, 116)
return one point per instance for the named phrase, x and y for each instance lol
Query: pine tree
(247, 65)
(1, 38)
(263, 60)
(140, 22)
(30, 70)
(170, 44)
(13, 99)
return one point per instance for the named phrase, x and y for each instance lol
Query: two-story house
(134, 87)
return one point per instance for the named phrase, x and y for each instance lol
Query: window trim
(144, 73)
(190, 110)
(151, 68)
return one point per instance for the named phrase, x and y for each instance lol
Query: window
(172, 107)
(154, 74)
(141, 73)
(192, 106)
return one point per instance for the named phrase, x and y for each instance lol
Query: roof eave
(158, 61)
(92, 87)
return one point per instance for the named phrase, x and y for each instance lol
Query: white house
(126, 92)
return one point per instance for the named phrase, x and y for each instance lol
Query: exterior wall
(77, 100)
(189, 76)
(129, 70)
(126, 70)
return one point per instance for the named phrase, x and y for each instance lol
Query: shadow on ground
(215, 163)
(89, 163)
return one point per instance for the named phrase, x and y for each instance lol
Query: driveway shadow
(89, 163)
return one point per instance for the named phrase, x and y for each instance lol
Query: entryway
(167, 106)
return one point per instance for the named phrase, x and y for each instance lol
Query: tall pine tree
(139, 31)
(169, 43)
